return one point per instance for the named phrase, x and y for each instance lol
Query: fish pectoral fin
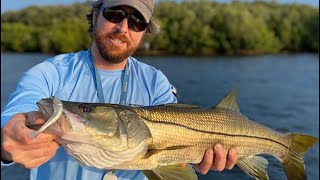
(180, 171)
(254, 166)
(151, 152)
(177, 147)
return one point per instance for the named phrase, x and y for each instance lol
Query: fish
(163, 140)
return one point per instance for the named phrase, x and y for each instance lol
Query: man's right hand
(17, 146)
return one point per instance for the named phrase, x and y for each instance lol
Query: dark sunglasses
(134, 23)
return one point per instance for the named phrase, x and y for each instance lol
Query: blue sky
(18, 4)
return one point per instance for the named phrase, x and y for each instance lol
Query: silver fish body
(155, 137)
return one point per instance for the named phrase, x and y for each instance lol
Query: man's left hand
(217, 159)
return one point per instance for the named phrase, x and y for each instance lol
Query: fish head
(97, 118)
(78, 116)
(109, 126)
(113, 127)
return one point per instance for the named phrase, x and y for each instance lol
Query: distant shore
(190, 28)
(163, 53)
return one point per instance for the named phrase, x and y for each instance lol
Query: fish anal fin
(229, 102)
(254, 166)
(172, 172)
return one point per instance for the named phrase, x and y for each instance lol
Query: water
(279, 91)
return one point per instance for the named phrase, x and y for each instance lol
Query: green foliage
(194, 27)
(70, 36)
(18, 37)
(240, 30)
(48, 29)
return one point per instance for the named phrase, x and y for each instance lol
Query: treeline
(189, 28)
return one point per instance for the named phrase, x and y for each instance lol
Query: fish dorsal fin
(254, 166)
(229, 102)
(180, 105)
(173, 172)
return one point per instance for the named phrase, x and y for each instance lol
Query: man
(104, 73)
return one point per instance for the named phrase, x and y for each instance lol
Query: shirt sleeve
(37, 83)
(163, 91)
(3, 163)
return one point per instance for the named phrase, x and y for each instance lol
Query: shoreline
(162, 53)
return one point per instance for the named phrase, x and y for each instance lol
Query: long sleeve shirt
(68, 77)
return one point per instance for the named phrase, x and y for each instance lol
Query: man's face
(115, 41)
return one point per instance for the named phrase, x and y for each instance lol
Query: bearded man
(105, 73)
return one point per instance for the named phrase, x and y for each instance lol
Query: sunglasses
(135, 23)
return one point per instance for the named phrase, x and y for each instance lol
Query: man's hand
(17, 146)
(217, 159)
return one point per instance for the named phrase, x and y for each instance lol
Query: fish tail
(293, 162)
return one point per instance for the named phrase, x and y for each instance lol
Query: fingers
(16, 129)
(204, 166)
(36, 157)
(232, 158)
(36, 162)
(220, 158)
(42, 138)
(217, 159)
(27, 147)
(35, 153)
(43, 151)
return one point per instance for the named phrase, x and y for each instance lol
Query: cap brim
(138, 5)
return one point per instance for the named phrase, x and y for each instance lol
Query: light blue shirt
(69, 78)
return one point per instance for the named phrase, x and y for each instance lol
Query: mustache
(122, 37)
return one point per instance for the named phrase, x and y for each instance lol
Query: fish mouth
(46, 107)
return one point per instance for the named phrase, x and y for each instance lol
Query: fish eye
(84, 108)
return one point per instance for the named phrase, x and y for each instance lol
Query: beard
(108, 51)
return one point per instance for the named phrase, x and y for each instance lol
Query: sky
(7, 5)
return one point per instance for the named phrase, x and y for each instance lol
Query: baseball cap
(145, 7)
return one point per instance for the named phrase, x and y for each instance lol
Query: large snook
(156, 139)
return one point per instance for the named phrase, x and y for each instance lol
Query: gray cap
(145, 7)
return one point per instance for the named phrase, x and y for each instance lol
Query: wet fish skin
(166, 135)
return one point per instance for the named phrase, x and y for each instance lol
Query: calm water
(280, 91)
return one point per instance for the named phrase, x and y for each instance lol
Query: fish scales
(222, 125)
(157, 139)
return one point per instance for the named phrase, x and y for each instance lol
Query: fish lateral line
(218, 133)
